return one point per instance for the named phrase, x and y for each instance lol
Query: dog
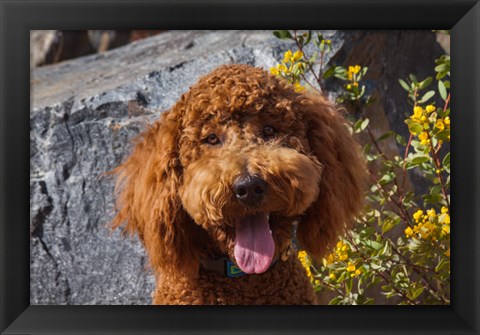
(224, 185)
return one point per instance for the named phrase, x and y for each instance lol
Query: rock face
(86, 111)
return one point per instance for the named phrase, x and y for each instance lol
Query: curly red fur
(175, 189)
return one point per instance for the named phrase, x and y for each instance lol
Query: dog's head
(237, 162)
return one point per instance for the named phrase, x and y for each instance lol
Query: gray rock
(41, 43)
(85, 113)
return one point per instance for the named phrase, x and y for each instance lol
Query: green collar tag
(232, 270)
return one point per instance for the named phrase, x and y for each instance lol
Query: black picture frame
(18, 17)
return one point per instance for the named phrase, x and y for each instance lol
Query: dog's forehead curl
(237, 92)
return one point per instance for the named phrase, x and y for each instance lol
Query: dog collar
(224, 266)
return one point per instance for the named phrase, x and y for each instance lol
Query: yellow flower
(408, 232)
(424, 234)
(274, 71)
(327, 42)
(330, 259)
(426, 230)
(417, 112)
(349, 87)
(358, 272)
(340, 244)
(446, 229)
(343, 257)
(353, 70)
(431, 213)
(446, 120)
(282, 68)
(429, 109)
(351, 267)
(423, 137)
(418, 215)
(344, 248)
(444, 209)
(447, 253)
(332, 276)
(298, 87)
(302, 256)
(417, 228)
(440, 125)
(297, 56)
(446, 220)
(355, 84)
(429, 226)
(287, 56)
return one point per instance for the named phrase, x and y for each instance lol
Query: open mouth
(254, 245)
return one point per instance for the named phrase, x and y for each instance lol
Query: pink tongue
(254, 246)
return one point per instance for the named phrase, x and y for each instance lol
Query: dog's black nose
(249, 189)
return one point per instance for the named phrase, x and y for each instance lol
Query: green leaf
(309, 37)
(390, 214)
(363, 71)
(426, 97)
(413, 79)
(360, 125)
(375, 245)
(320, 37)
(443, 262)
(387, 225)
(441, 68)
(415, 128)
(442, 90)
(432, 199)
(329, 72)
(366, 148)
(362, 91)
(446, 162)
(283, 34)
(348, 285)
(386, 135)
(404, 85)
(443, 135)
(425, 83)
(420, 159)
(400, 140)
(340, 72)
(335, 301)
(386, 178)
(436, 189)
(440, 75)
(416, 293)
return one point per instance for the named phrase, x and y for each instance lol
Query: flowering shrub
(400, 244)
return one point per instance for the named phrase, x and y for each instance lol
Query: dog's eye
(268, 131)
(212, 139)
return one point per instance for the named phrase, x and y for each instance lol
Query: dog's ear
(148, 201)
(343, 178)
